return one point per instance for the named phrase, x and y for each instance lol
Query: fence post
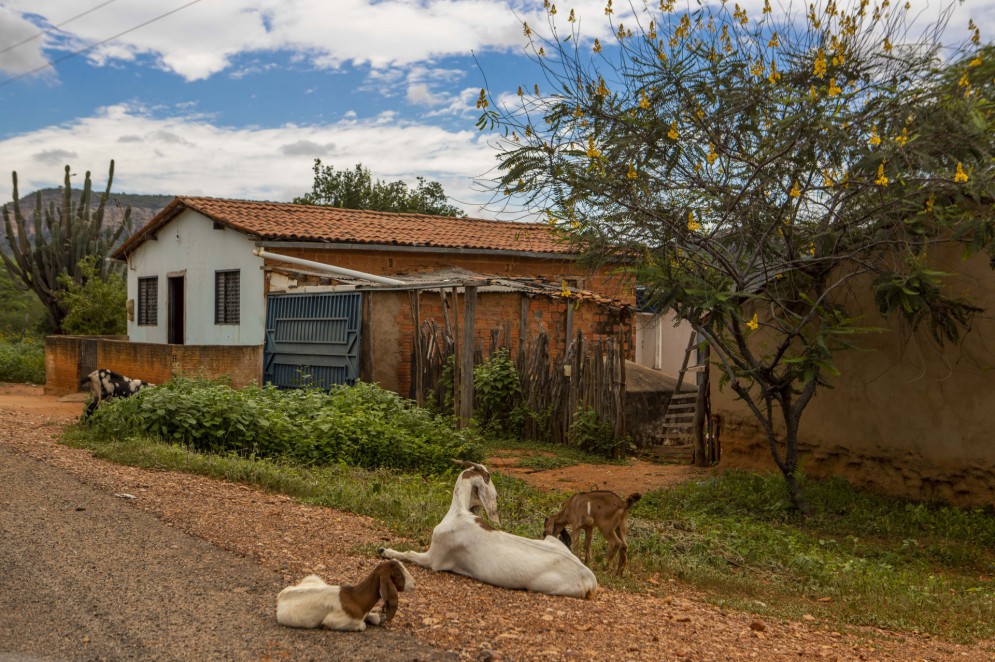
(466, 355)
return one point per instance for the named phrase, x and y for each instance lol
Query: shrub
(94, 305)
(498, 395)
(588, 432)
(362, 425)
(22, 362)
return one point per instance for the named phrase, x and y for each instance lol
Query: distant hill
(143, 207)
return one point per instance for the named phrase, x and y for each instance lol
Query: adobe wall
(150, 362)
(904, 417)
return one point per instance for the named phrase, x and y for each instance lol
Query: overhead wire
(55, 27)
(59, 60)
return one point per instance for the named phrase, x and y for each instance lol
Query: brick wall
(151, 362)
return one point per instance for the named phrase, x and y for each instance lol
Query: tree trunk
(701, 458)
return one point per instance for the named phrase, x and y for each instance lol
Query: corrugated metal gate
(312, 338)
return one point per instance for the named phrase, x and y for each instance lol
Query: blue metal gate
(312, 339)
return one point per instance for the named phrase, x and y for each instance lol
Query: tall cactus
(62, 237)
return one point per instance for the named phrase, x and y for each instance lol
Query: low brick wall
(242, 364)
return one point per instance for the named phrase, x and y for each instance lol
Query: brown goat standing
(585, 510)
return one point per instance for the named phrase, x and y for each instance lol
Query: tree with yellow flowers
(752, 169)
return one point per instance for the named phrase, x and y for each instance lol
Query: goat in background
(585, 510)
(106, 384)
(468, 545)
(312, 603)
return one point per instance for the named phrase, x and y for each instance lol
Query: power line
(26, 74)
(55, 27)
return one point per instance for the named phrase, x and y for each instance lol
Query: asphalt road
(85, 576)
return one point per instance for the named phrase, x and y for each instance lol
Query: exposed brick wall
(151, 362)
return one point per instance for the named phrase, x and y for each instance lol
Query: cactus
(62, 237)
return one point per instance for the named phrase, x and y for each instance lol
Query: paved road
(84, 576)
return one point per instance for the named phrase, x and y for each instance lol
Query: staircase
(677, 443)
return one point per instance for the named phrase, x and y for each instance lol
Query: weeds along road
(83, 576)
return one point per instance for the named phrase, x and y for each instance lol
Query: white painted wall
(660, 345)
(189, 242)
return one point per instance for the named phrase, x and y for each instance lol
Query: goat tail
(634, 497)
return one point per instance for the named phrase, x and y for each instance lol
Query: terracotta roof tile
(275, 221)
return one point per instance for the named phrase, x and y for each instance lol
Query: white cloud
(188, 154)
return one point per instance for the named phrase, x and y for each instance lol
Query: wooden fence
(554, 389)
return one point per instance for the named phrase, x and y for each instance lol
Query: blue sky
(235, 98)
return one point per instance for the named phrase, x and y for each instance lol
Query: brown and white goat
(313, 603)
(466, 544)
(586, 510)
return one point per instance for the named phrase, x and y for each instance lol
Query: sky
(236, 98)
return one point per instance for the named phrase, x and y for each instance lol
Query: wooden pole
(701, 458)
(466, 355)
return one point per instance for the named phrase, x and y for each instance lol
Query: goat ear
(463, 463)
(388, 592)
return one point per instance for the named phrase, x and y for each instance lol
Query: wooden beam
(466, 356)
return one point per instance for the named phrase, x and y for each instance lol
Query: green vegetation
(22, 361)
(362, 425)
(498, 395)
(94, 305)
(22, 313)
(43, 250)
(356, 189)
(544, 462)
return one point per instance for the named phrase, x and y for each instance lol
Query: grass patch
(879, 561)
(499, 447)
(22, 362)
(545, 462)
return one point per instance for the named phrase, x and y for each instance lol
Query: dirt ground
(637, 476)
(662, 620)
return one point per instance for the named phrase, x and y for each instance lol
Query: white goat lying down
(466, 544)
(313, 603)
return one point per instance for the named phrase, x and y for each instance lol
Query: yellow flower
(740, 15)
(887, 45)
(903, 138)
(774, 75)
(882, 180)
(482, 100)
(597, 46)
(753, 324)
(767, 8)
(592, 151)
(644, 101)
(632, 174)
(929, 204)
(526, 29)
(608, 10)
(875, 139)
(700, 114)
(964, 80)
(542, 52)
(672, 134)
(812, 93)
(833, 88)
(827, 180)
(602, 88)
(711, 154)
(960, 175)
(976, 62)
(571, 18)
(693, 225)
(795, 191)
(552, 10)
(758, 68)
(811, 248)
(565, 293)
(774, 42)
(819, 69)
